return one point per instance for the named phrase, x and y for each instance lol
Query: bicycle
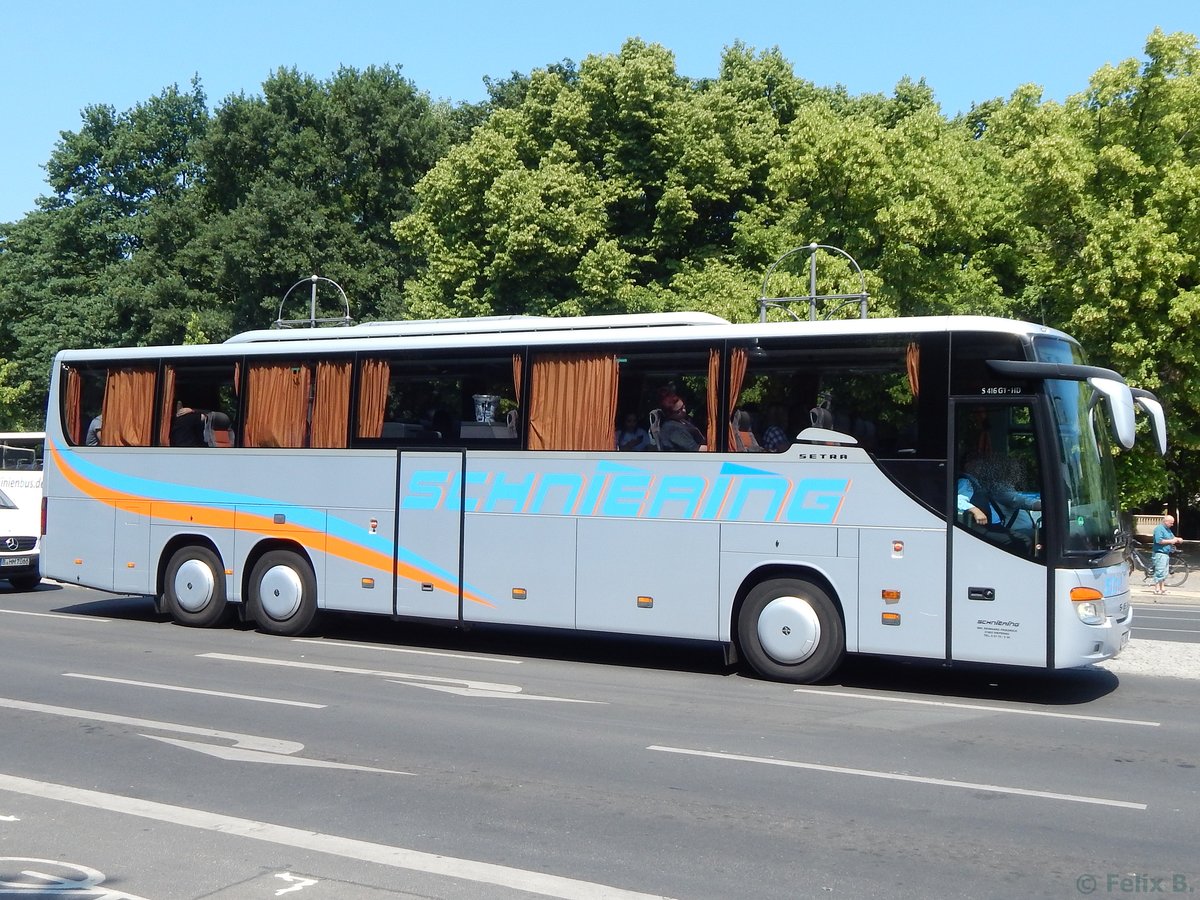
(1177, 567)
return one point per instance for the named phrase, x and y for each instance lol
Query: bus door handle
(981, 593)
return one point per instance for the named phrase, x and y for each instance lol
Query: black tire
(194, 588)
(283, 593)
(790, 630)
(1178, 572)
(25, 582)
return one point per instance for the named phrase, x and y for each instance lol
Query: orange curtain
(73, 406)
(373, 376)
(738, 361)
(167, 411)
(517, 375)
(573, 402)
(128, 408)
(714, 413)
(277, 410)
(331, 405)
(913, 360)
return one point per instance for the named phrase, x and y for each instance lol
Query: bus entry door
(997, 575)
(429, 534)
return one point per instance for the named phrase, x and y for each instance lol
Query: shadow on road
(933, 678)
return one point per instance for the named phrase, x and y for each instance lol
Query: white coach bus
(20, 507)
(937, 488)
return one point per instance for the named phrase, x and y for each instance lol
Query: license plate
(14, 561)
(1124, 640)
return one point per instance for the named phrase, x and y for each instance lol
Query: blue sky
(60, 57)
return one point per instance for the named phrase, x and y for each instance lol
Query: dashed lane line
(191, 690)
(899, 776)
(977, 707)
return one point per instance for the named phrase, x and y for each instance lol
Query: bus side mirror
(1120, 405)
(1158, 419)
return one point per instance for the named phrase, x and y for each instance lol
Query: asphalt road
(140, 759)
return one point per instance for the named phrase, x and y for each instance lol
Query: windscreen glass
(1085, 456)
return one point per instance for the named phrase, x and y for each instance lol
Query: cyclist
(1164, 545)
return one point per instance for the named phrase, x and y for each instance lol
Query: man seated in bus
(93, 432)
(631, 435)
(677, 431)
(988, 499)
(187, 428)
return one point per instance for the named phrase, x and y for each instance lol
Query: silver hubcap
(280, 592)
(194, 585)
(789, 630)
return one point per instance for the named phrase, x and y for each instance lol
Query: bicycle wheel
(1177, 574)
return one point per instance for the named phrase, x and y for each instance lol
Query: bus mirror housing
(1158, 418)
(1120, 406)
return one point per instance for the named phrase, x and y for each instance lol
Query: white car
(20, 542)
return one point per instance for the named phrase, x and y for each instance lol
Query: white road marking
(233, 754)
(25, 612)
(462, 686)
(296, 881)
(351, 644)
(497, 695)
(190, 690)
(897, 776)
(351, 670)
(246, 741)
(1140, 628)
(44, 883)
(349, 848)
(977, 706)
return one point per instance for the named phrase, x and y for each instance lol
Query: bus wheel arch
(191, 583)
(789, 624)
(281, 589)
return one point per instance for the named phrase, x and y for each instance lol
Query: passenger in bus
(93, 432)
(677, 431)
(187, 428)
(988, 499)
(631, 435)
(775, 439)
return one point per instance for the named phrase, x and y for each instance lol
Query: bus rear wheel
(789, 630)
(283, 593)
(194, 588)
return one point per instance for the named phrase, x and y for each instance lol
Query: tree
(1109, 232)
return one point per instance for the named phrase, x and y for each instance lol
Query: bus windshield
(1085, 455)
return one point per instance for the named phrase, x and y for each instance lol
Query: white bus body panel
(430, 535)
(1078, 644)
(1011, 628)
(509, 554)
(903, 562)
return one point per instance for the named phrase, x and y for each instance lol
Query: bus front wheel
(283, 593)
(789, 630)
(194, 587)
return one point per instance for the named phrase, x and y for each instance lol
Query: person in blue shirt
(988, 500)
(632, 436)
(1160, 557)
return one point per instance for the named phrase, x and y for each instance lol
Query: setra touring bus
(939, 488)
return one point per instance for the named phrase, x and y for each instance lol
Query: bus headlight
(1089, 605)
